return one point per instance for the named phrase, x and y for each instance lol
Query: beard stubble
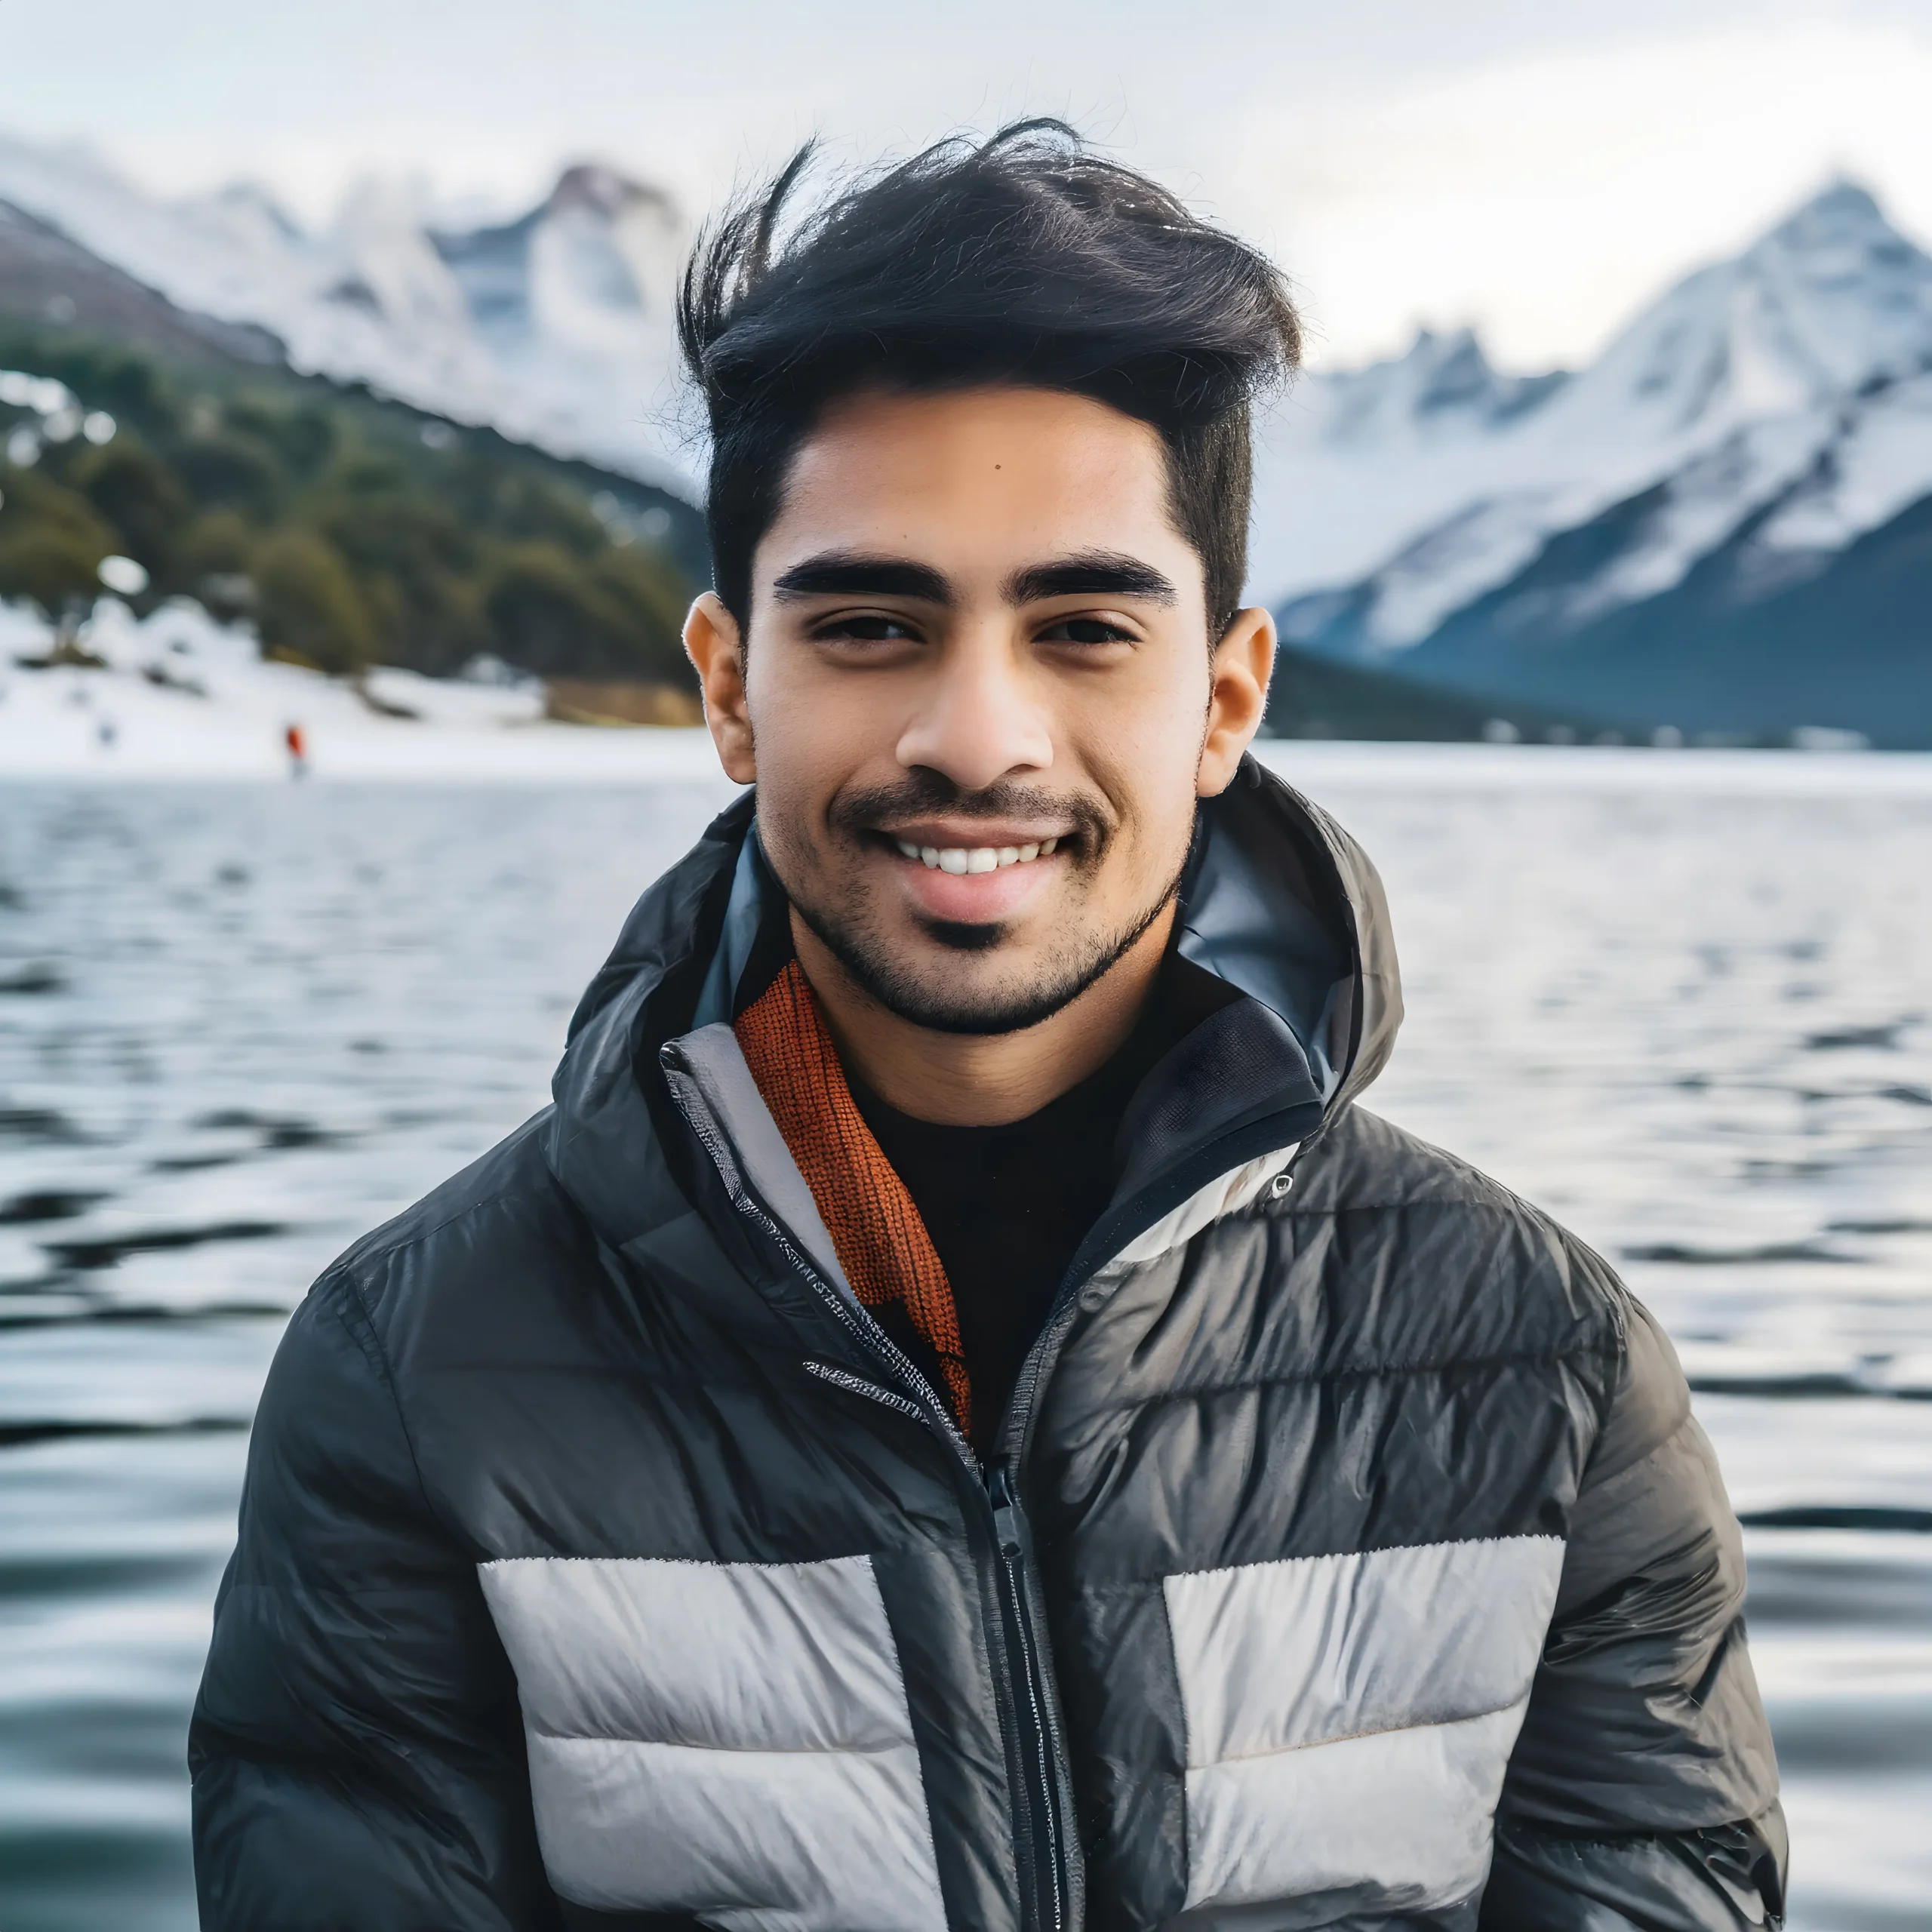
(923, 998)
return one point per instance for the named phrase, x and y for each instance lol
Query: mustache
(923, 791)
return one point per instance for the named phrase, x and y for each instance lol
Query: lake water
(1686, 1005)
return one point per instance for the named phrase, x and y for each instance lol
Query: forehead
(1004, 470)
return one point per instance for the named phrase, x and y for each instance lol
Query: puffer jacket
(1349, 1557)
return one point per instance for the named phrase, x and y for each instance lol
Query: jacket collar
(1278, 900)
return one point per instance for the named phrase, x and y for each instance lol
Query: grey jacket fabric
(1350, 1558)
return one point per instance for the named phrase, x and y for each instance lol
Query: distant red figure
(297, 742)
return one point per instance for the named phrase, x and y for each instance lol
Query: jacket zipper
(1054, 1796)
(1040, 1747)
(852, 1318)
(856, 1384)
(1038, 1741)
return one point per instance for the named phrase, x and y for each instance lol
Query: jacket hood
(1282, 902)
(1278, 900)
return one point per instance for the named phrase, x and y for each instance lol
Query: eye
(865, 627)
(1084, 630)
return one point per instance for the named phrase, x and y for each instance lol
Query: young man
(954, 1418)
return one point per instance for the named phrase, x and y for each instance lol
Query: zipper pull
(1006, 1509)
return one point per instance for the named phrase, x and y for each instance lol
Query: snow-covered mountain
(1737, 465)
(554, 329)
(1742, 437)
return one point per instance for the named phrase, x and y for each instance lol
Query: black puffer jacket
(1350, 1559)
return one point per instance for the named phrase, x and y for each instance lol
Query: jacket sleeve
(356, 1750)
(1643, 1790)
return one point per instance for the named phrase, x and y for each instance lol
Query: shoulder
(1361, 1162)
(499, 1236)
(404, 1353)
(1454, 1262)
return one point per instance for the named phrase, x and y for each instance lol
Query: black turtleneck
(1007, 1207)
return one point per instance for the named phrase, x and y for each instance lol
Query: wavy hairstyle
(1027, 258)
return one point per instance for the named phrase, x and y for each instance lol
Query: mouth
(984, 874)
(961, 859)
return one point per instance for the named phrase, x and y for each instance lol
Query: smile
(958, 859)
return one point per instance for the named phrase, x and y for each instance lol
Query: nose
(978, 722)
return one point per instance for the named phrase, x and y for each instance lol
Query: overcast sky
(1538, 168)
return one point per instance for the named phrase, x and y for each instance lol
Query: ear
(713, 643)
(1238, 697)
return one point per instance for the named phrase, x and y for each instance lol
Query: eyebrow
(1094, 574)
(850, 574)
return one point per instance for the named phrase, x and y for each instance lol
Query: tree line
(351, 531)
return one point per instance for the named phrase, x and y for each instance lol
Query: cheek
(809, 747)
(789, 750)
(809, 718)
(1147, 758)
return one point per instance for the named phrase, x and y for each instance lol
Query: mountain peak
(250, 202)
(1835, 292)
(1791, 382)
(1442, 385)
(1830, 300)
(604, 191)
(1843, 209)
(1450, 368)
(1841, 237)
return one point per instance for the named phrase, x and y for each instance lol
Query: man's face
(978, 689)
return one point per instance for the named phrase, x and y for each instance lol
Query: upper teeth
(974, 858)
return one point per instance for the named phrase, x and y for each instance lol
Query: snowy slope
(176, 695)
(554, 329)
(1783, 395)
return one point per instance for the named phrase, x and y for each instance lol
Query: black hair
(1027, 258)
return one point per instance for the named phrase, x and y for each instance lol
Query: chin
(957, 936)
(953, 997)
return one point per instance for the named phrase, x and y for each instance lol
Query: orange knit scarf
(882, 1245)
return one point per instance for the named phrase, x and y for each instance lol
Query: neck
(981, 1079)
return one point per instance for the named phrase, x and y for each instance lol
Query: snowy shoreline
(183, 698)
(178, 696)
